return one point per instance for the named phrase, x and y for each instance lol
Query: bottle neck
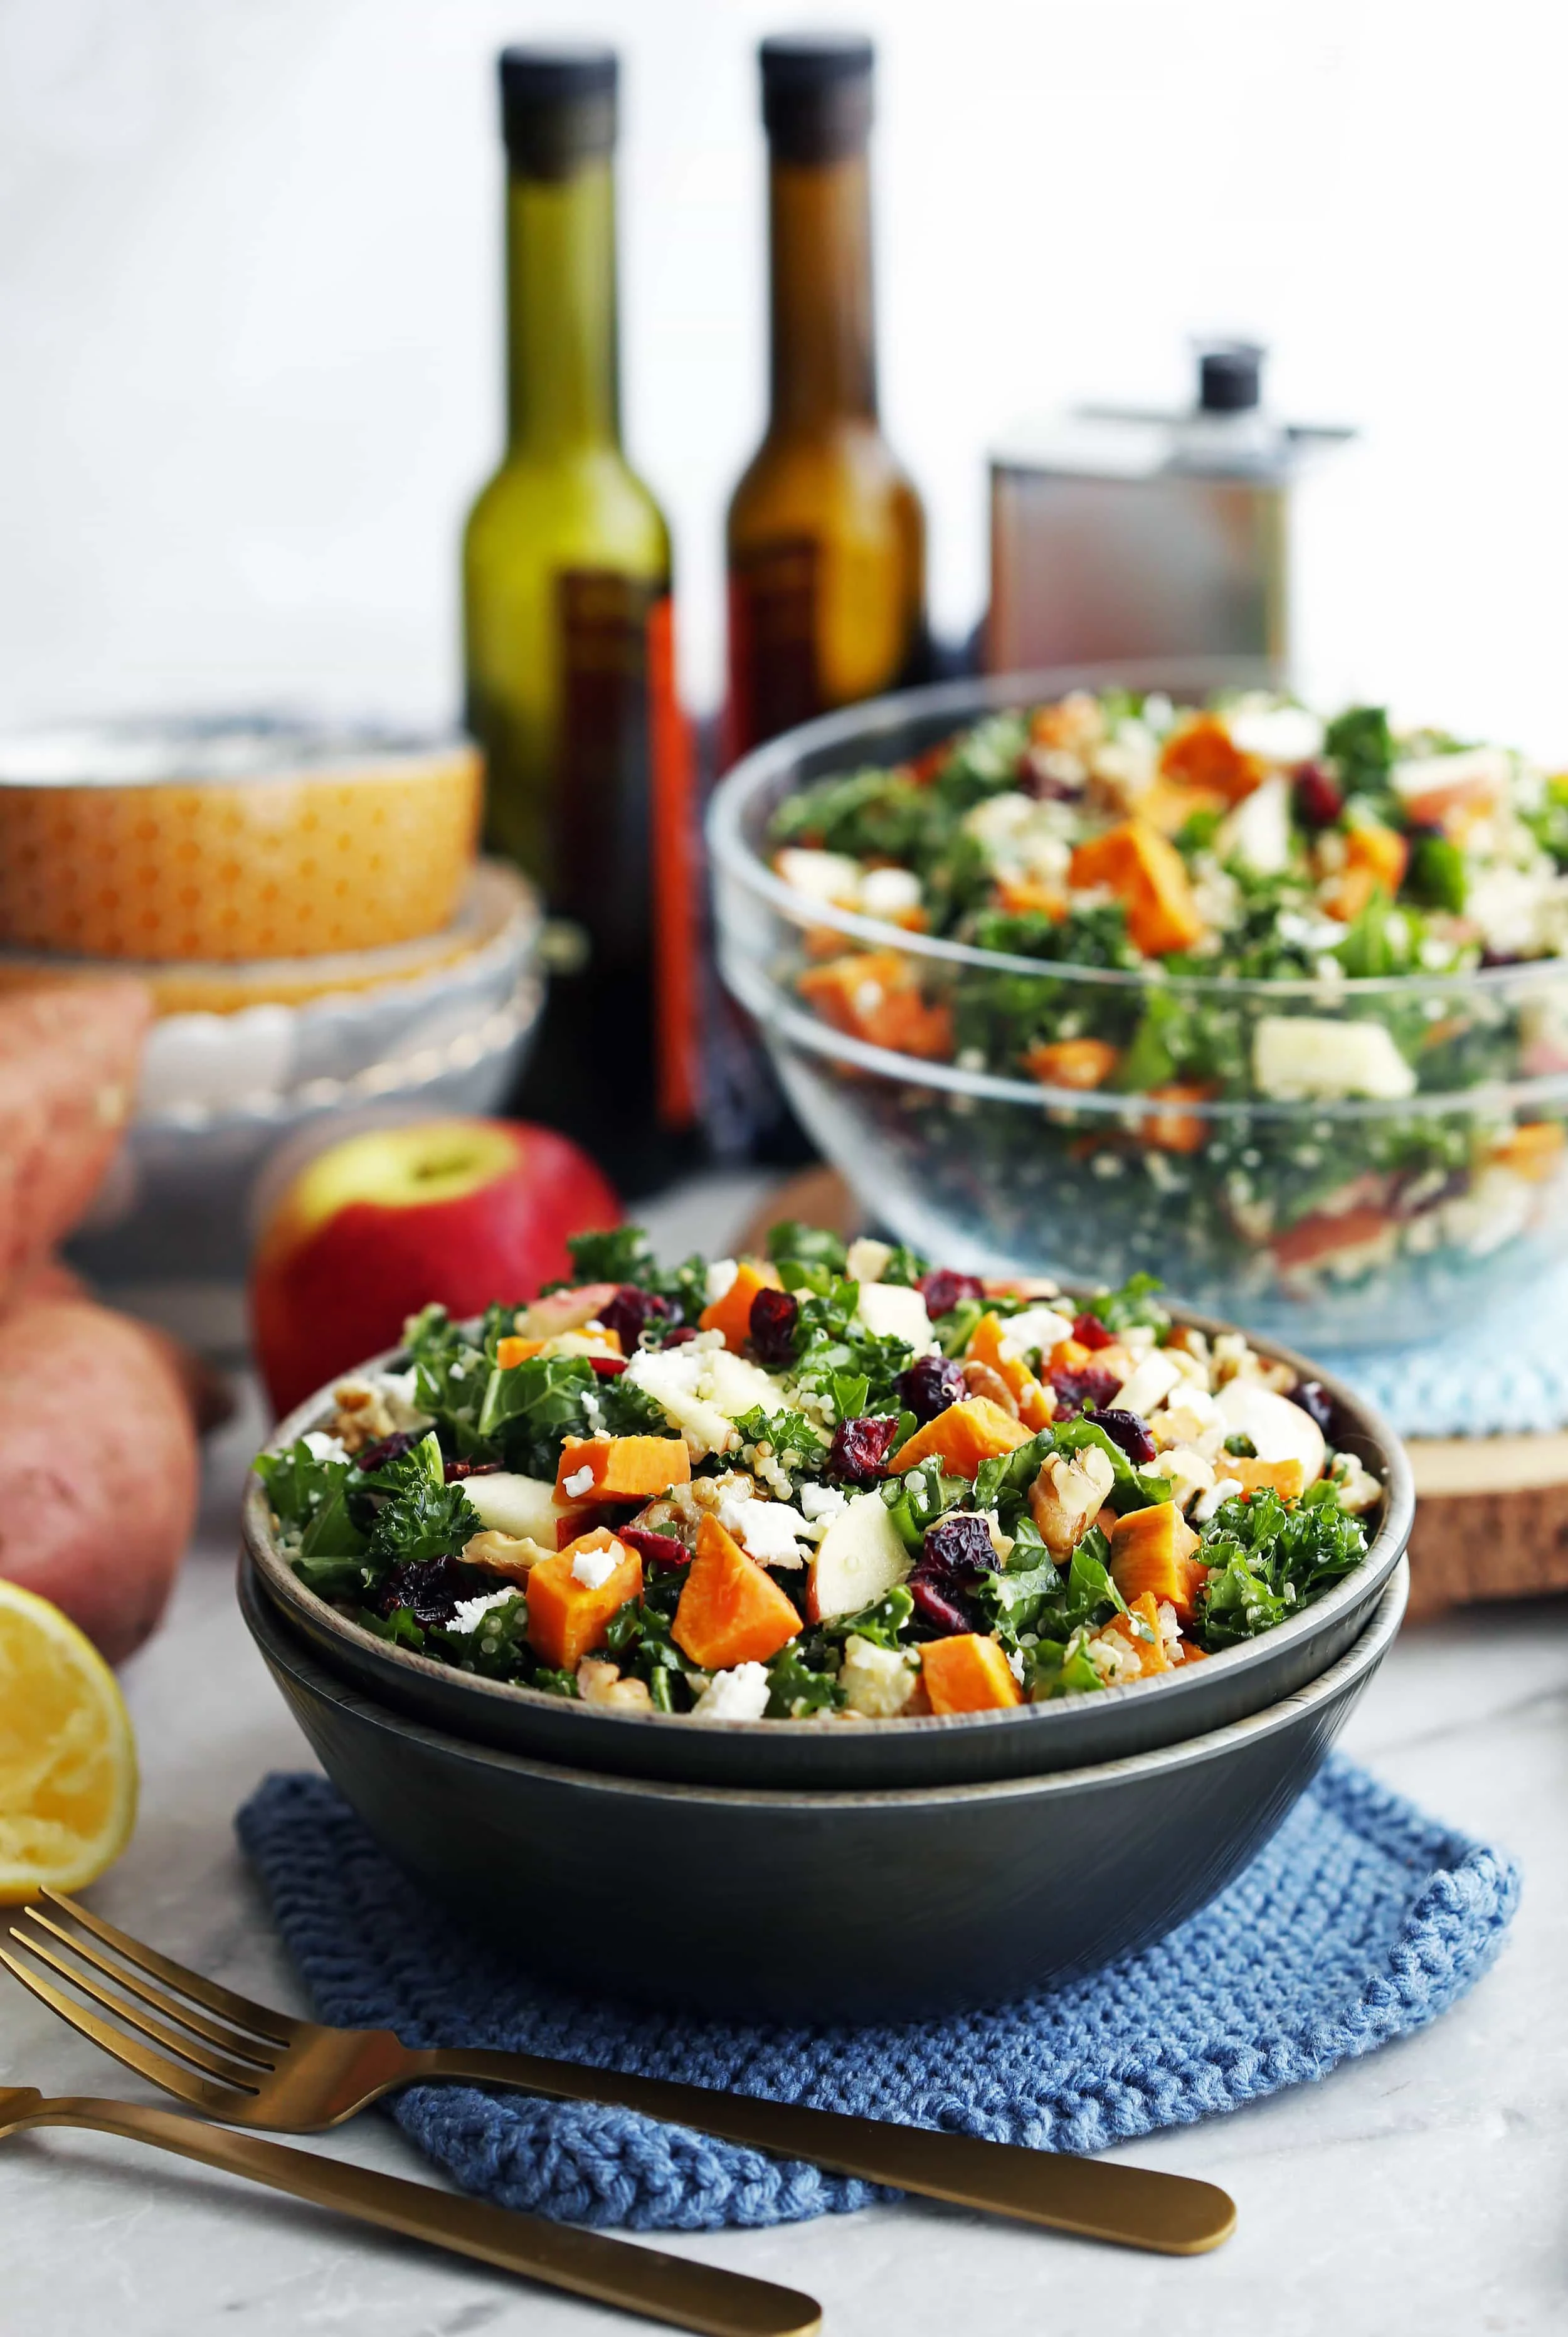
(823, 364)
(563, 385)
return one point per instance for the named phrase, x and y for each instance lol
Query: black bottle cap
(557, 108)
(816, 94)
(1229, 377)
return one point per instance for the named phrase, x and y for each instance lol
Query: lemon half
(67, 1754)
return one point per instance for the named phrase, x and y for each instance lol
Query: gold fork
(587, 2263)
(250, 2066)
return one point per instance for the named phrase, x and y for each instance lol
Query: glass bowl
(1331, 1220)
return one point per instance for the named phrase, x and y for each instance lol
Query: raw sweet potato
(1079, 1063)
(730, 1611)
(567, 1619)
(69, 1053)
(620, 1468)
(966, 1435)
(1285, 1478)
(98, 1467)
(732, 1315)
(1148, 877)
(967, 1674)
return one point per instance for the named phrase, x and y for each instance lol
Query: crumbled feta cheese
(1015, 1664)
(821, 1501)
(738, 1695)
(1224, 1489)
(829, 876)
(720, 1276)
(1186, 1471)
(1275, 734)
(1297, 1055)
(322, 1447)
(889, 892)
(1170, 1629)
(593, 1567)
(877, 1682)
(1036, 1326)
(1355, 1486)
(766, 1530)
(579, 1483)
(1189, 1416)
(466, 1615)
(866, 1260)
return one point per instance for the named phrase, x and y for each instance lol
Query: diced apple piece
(733, 1385)
(859, 1559)
(1278, 1429)
(891, 1312)
(1301, 1055)
(516, 1505)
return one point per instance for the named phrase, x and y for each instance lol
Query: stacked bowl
(813, 1870)
(305, 905)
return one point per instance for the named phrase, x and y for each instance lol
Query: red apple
(459, 1211)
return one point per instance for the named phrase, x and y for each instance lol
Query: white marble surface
(1421, 2189)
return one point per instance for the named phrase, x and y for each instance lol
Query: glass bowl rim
(970, 697)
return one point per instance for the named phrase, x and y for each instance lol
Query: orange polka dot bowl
(230, 840)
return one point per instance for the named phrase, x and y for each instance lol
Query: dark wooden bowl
(833, 1754)
(817, 1906)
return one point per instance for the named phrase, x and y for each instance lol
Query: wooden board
(1492, 1512)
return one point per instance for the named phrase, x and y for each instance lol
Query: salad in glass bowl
(825, 1483)
(1273, 1003)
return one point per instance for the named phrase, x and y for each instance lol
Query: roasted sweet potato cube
(965, 1436)
(1202, 753)
(1157, 1564)
(733, 1313)
(873, 994)
(567, 1619)
(1148, 877)
(967, 1674)
(1078, 1063)
(989, 1344)
(620, 1468)
(1158, 1538)
(1285, 1478)
(1026, 896)
(1375, 862)
(730, 1611)
(1533, 1151)
(1174, 1127)
(1142, 1633)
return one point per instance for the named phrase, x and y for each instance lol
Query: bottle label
(775, 677)
(626, 841)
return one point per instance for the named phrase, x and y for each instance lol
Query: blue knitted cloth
(1505, 1374)
(1361, 1921)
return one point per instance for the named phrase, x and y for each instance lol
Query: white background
(250, 319)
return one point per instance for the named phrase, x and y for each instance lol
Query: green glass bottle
(826, 536)
(569, 649)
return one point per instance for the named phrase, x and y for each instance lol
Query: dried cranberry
(772, 1323)
(391, 1448)
(942, 1290)
(1125, 1429)
(1090, 1332)
(664, 1549)
(631, 1311)
(456, 1470)
(430, 1590)
(607, 1367)
(959, 1544)
(860, 1448)
(934, 1607)
(1490, 957)
(1316, 1402)
(1318, 795)
(929, 1385)
(1075, 1390)
(680, 1337)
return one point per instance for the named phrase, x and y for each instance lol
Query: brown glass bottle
(569, 650)
(826, 537)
